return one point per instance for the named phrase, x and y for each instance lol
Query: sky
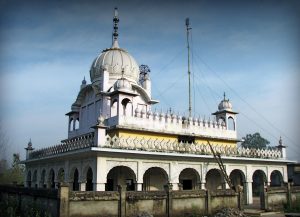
(248, 49)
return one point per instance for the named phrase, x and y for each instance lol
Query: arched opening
(34, 179)
(76, 124)
(155, 178)
(43, 178)
(238, 180)
(127, 107)
(61, 175)
(258, 182)
(230, 123)
(276, 178)
(213, 179)
(89, 180)
(29, 179)
(71, 125)
(76, 180)
(123, 176)
(189, 179)
(114, 108)
(52, 178)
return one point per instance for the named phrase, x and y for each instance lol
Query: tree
(254, 141)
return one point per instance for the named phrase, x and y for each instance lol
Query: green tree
(254, 141)
(14, 174)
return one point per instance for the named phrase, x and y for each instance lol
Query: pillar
(175, 186)
(249, 197)
(64, 200)
(82, 186)
(139, 186)
(202, 185)
(99, 186)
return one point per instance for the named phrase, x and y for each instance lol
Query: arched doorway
(76, 180)
(213, 180)
(189, 179)
(230, 123)
(127, 107)
(238, 179)
(259, 179)
(89, 180)
(155, 179)
(52, 179)
(123, 176)
(276, 178)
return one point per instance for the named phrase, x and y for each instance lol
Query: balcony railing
(76, 143)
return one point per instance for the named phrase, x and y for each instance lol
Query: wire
(248, 104)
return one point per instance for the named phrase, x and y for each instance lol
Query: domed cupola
(122, 84)
(225, 104)
(116, 61)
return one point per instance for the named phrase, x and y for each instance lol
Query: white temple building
(114, 138)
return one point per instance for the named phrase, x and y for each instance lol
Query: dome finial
(224, 96)
(115, 33)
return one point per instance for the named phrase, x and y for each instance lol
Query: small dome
(122, 83)
(225, 105)
(117, 62)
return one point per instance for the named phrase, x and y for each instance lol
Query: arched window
(89, 180)
(76, 124)
(71, 124)
(231, 124)
(114, 108)
(76, 180)
(127, 107)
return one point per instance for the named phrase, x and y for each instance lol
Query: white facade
(114, 138)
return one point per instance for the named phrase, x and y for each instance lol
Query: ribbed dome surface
(225, 105)
(117, 62)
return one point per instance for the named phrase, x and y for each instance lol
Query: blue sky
(249, 49)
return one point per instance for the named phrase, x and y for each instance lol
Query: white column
(249, 197)
(101, 174)
(202, 185)
(175, 186)
(99, 186)
(139, 186)
(82, 186)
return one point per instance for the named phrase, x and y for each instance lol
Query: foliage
(15, 174)
(254, 141)
(293, 207)
(9, 208)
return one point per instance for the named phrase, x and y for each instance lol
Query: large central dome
(118, 62)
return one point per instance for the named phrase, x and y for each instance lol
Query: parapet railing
(164, 145)
(76, 143)
(154, 145)
(174, 124)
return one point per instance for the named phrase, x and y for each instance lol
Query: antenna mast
(188, 28)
